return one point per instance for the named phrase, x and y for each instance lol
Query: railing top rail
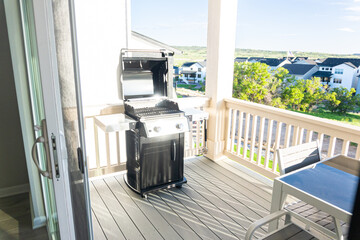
(326, 126)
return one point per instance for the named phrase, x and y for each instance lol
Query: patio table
(325, 187)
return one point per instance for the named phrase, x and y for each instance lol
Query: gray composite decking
(218, 202)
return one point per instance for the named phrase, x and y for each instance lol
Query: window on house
(191, 68)
(339, 71)
(337, 80)
(327, 69)
(185, 74)
(199, 75)
(199, 69)
(330, 69)
(193, 75)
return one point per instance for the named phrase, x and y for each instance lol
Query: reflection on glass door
(38, 114)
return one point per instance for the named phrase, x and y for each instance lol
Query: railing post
(220, 66)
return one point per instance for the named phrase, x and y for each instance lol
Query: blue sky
(330, 26)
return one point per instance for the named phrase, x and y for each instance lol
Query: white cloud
(352, 18)
(353, 9)
(356, 0)
(346, 29)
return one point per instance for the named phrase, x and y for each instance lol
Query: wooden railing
(106, 152)
(255, 131)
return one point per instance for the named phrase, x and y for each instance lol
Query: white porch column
(220, 66)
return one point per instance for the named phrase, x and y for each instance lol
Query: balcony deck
(218, 202)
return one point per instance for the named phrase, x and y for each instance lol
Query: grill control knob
(180, 126)
(157, 129)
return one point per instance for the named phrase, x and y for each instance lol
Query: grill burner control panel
(166, 126)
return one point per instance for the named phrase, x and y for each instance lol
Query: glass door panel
(38, 113)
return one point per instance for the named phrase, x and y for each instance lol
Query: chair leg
(338, 229)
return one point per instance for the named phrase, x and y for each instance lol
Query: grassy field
(195, 54)
(350, 118)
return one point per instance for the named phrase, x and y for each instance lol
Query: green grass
(196, 54)
(191, 87)
(350, 118)
(255, 157)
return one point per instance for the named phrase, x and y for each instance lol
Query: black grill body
(155, 148)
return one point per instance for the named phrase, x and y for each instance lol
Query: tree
(313, 93)
(341, 100)
(251, 81)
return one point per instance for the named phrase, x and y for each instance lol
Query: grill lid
(143, 76)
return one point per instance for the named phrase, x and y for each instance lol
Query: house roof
(202, 63)
(331, 62)
(350, 64)
(154, 42)
(241, 59)
(298, 69)
(307, 61)
(273, 62)
(322, 74)
(188, 72)
(188, 64)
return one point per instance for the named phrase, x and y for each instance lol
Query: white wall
(347, 76)
(102, 29)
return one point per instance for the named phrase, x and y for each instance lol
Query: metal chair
(296, 157)
(290, 159)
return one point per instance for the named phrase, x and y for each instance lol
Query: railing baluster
(247, 123)
(295, 137)
(321, 139)
(233, 124)
(300, 136)
(357, 154)
(277, 145)
(107, 146)
(198, 138)
(228, 140)
(331, 149)
(97, 155)
(287, 135)
(309, 135)
(118, 147)
(261, 138)
(240, 126)
(253, 137)
(268, 143)
(345, 147)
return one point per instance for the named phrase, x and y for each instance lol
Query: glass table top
(327, 183)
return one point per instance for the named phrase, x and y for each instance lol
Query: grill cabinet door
(161, 160)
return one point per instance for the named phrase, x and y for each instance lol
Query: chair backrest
(295, 157)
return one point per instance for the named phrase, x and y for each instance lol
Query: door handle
(43, 140)
(174, 151)
(80, 160)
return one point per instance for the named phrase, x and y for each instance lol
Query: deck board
(216, 203)
(122, 219)
(162, 226)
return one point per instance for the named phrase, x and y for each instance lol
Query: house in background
(193, 72)
(301, 71)
(273, 63)
(341, 71)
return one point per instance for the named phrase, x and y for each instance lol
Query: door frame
(52, 102)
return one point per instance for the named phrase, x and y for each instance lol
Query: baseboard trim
(14, 190)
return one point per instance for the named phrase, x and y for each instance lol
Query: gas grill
(155, 148)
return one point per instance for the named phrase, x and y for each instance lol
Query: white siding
(102, 33)
(347, 77)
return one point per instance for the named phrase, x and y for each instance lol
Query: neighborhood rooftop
(331, 62)
(298, 69)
